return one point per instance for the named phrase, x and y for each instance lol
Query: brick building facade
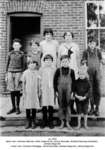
(32, 16)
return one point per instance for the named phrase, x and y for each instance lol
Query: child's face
(92, 45)
(48, 36)
(68, 37)
(48, 62)
(35, 47)
(82, 74)
(65, 62)
(32, 65)
(16, 46)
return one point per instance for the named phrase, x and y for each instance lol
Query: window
(95, 22)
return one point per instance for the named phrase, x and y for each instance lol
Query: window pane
(102, 39)
(92, 33)
(92, 15)
(102, 14)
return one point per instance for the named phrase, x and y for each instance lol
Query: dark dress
(82, 88)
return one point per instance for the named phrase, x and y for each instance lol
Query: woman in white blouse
(69, 44)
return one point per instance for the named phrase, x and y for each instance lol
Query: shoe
(33, 126)
(13, 110)
(28, 124)
(43, 125)
(97, 113)
(18, 111)
(51, 126)
(91, 112)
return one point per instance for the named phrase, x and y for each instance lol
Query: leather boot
(50, 121)
(44, 120)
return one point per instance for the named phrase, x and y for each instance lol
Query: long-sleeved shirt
(93, 58)
(15, 62)
(65, 71)
(82, 87)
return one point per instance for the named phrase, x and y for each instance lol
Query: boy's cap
(48, 56)
(64, 57)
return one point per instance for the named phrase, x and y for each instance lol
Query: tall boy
(93, 58)
(14, 69)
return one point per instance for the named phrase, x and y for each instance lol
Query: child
(46, 74)
(82, 94)
(14, 69)
(93, 58)
(63, 85)
(49, 46)
(30, 92)
(35, 52)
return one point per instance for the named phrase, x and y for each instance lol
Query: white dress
(30, 79)
(49, 48)
(63, 50)
(47, 74)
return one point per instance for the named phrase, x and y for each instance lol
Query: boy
(63, 85)
(49, 46)
(82, 95)
(92, 56)
(47, 103)
(14, 69)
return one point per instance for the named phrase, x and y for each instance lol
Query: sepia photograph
(52, 68)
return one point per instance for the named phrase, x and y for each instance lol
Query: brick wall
(61, 16)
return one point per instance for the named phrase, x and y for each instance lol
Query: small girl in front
(30, 93)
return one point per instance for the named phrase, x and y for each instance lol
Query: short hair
(92, 39)
(34, 42)
(32, 61)
(47, 31)
(17, 40)
(64, 57)
(48, 57)
(72, 34)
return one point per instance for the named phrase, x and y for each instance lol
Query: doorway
(25, 28)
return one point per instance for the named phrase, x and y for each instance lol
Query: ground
(14, 124)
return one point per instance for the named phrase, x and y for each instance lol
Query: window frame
(98, 28)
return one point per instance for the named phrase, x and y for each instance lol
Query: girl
(46, 74)
(30, 92)
(34, 52)
(49, 46)
(14, 69)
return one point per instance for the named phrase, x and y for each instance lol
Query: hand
(72, 96)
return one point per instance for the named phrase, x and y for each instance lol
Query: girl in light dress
(30, 81)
